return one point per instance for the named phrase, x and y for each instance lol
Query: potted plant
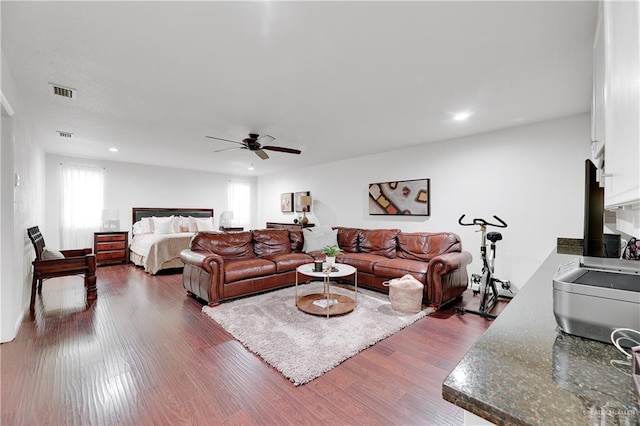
(331, 252)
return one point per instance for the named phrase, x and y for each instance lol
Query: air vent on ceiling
(64, 134)
(65, 92)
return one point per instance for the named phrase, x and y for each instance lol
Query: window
(239, 200)
(81, 205)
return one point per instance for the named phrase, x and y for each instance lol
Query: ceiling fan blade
(260, 153)
(226, 140)
(282, 149)
(228, 149)
(265, 139)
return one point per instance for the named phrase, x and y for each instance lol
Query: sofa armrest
(447, 262)
(447, 277)
(202, 259)
(203, 274)
(76, 252)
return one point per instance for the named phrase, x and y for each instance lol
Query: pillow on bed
(192, 224)
(137, 228)
(147, 225)
(316, 239)
(204, 224)
(183, 222)
(140, 228)
(164, 225)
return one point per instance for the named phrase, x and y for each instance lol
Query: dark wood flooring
(143, 353)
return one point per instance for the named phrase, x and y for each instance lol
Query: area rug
(302, 346)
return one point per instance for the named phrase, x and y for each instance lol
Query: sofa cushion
(297, 240)
(51, 254)
(424, 246)
(316, 239)
(348, 239)
(232, 245)
(379, 241)
(271, 241)
(363, 262)
(288, 261)
(241, 269)
(396, 268)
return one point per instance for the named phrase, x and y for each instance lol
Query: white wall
(130, 185)
(21, 207)
(531, 176)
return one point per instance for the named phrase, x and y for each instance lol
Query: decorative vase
(330, 261)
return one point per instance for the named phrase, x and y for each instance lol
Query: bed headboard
(138, 213)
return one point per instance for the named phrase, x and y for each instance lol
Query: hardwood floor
(143, 353)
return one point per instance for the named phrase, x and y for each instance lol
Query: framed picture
(286, 202)
(297, 202)
(406, 197)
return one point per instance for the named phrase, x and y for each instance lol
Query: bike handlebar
(482, 222)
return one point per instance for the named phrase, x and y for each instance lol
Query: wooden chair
(68, 262)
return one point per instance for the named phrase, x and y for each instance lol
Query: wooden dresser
(111, 247)
(289, 226)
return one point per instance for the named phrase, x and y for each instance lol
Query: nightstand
(111, 247)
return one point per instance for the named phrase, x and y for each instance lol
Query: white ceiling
(334, 79)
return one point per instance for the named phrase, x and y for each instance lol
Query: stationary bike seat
(494, 236)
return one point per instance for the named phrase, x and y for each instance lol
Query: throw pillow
(204, 224)
(51, 254)
(316, 239)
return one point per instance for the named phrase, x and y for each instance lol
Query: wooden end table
(327, 303)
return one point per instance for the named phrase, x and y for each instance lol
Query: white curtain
(239, 200)
(81, 205)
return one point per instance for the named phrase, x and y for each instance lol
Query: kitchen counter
(524, 370)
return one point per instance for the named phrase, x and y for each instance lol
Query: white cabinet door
(622, 103)
(597, 106)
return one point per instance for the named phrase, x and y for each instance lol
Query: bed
(160, 234)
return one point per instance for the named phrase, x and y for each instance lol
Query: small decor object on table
(331, 252)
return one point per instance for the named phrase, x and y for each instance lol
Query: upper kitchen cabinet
(616, 102)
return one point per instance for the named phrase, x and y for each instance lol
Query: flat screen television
(593, 243)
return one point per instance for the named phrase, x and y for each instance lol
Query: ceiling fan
(255, 143)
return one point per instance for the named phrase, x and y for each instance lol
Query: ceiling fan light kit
(255, 143)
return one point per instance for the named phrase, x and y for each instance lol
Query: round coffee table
(327, 303)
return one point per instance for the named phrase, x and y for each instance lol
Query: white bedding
(156, 250)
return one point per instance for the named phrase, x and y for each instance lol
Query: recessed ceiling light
(461, 116)
(250, 167)
(113, 149)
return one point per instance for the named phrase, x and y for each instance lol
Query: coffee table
(327, 303)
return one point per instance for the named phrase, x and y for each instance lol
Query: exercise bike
(486, 283)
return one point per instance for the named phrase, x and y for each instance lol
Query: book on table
(322, 303)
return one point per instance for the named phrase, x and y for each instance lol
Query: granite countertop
(524, 370)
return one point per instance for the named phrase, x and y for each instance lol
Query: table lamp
(225, 218)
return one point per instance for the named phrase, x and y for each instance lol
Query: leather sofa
(223, 266)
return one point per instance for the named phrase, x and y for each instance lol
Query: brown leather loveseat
(222, 266)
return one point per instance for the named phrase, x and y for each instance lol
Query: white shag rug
(303, 346)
